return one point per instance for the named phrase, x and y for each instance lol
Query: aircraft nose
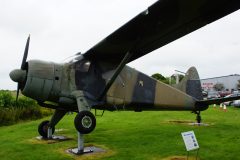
(18, 75)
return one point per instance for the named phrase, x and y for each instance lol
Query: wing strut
(116, 73)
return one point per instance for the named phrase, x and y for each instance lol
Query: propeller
(25, 53)
(19, 75)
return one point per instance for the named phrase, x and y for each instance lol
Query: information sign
(190, 140)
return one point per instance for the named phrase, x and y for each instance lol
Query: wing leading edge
(162, 23)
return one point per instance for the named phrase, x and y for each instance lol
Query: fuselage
(132, 90)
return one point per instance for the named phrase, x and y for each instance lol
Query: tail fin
(191, 84)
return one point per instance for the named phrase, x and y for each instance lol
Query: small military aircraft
(100, 78)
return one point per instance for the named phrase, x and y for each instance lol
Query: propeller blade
(25, 53)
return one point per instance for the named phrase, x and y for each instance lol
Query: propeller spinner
(19, 75)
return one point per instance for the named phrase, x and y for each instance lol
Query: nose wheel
(85, 122)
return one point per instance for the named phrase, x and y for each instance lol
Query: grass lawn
(131, 135)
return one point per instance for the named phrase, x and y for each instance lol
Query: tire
(85, 122)
(43, 129)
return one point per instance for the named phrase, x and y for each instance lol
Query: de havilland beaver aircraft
(100, 78)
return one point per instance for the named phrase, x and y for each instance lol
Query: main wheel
(43, 129)
(85, 122)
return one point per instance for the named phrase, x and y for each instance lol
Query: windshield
(73, 58)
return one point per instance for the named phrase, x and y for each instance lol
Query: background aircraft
(100, 79)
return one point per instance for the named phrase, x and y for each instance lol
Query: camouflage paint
(146, 93)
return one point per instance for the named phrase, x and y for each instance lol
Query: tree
(174, 79)
(218, 87)
(166, 80)
(181, 77)
(161, 78)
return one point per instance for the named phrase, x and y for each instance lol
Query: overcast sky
(61, 28)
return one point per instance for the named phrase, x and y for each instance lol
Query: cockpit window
(86, 66)
(73, 59)
(83, 66)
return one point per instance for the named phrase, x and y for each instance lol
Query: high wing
(162, 23)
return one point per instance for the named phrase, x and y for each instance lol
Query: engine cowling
(39, 81)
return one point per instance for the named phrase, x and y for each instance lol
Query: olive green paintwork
(47, 81)
(122, 93)
(160, 24)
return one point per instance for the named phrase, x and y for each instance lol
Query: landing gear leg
(84, 122)
(47, 128)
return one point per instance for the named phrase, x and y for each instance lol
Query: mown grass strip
(130, 135)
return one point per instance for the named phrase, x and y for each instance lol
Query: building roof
(235, 75)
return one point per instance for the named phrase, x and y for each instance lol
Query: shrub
(6, 99)
(25, 109)
(25, 102)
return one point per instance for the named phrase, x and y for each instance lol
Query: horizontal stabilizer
(217, 100)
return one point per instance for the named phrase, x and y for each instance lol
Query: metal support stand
(196, 154)
(198, 118)
(49, 135)
(81, 150)
(80, 143)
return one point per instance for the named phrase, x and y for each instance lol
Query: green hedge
(12, 112)
(6, 99)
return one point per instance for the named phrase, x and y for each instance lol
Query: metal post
(80, 150)
(177, 78)
(197, 154)
(49, 133)
(80, 143)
